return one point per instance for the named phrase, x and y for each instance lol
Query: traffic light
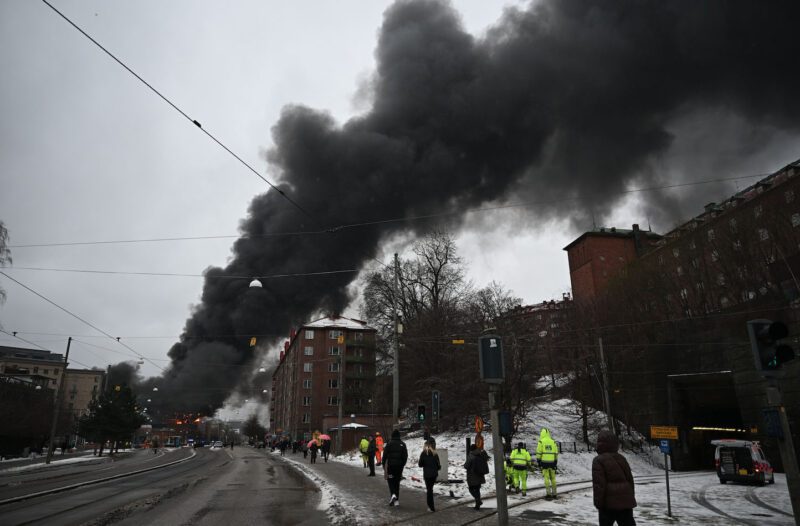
(769, 354)
(421, 413)
(435, 405)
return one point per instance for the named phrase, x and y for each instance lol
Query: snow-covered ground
(55, 462)
(697, 497)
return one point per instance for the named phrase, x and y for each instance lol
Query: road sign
(669, 432)
(664, 446)
(458, 342)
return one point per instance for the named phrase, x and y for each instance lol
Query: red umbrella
(324, 437)
(312, 441)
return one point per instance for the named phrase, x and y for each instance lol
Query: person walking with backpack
(477, 465)
(612, 483)
(429, 462)
(547, 456)
(520, 460)
(395, 456)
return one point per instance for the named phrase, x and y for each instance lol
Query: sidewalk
(365, 500)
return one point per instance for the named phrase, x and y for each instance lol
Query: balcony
(360, 343)
(360, 359)
(354, 375)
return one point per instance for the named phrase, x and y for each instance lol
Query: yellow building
(81, 387)
(38, 367)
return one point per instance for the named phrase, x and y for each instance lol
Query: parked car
(742, 461)
(216, 445)
(260, 444)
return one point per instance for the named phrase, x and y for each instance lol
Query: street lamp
(255, 284)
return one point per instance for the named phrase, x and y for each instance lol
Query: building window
(306, 418)
(95, 379)
(723, 301)
(45, 371)
(695, 263)
(732, 224)
(333, 367)
(333, 384)
(763, 234)
(35, 370)
(684, 294)
(795, 219)
(714, 255)
(660, 259)
(692, 245)
(720, 279)
(334, 334)
(757, 211)
(334, 351)
(308, 351)
(679, 270)
(94, 388)
(737, 245)
(307, 384)
(309, 334)
(333, 400)
(789, 195)
(676, 253)
(306, 400)
(358, 336)
(307, 367)
(357, 384)
(710, 234)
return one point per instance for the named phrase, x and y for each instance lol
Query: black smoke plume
(565, 99)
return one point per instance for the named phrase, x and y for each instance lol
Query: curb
(90, 482)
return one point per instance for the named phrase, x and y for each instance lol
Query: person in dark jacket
(477, 465)
(326, 449)
(372, 448)
(394, 460)
(612, 483)
(313, 448)
(429, 462)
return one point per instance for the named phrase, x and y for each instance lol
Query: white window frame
(306, 401)
(333, 400)
(309, 334)
(308, 350)
(333, 367)
(308, 367)
(334, 334)
(333, 383)
(306, 418)
(335, 350)
(307, 383)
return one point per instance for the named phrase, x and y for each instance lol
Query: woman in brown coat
(612, 483)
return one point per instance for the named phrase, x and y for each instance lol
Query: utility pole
(786, 447)
(341, 403)
(606, 397)
(57, 400)
(396, 372)
(499, 461)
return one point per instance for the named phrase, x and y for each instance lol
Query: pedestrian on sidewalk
(477, 465)
(379, 445)
(313, 449)
(363, 446)
(612, 483)
(429, 462)
(547, 456)
(371, 449)
(395, 456)
(521, 460)
(326, 449)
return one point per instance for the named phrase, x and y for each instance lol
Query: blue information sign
(664, 446)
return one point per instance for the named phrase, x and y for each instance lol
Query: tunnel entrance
(705, 407)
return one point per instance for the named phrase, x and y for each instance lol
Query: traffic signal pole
(786, 447)
(57, 403)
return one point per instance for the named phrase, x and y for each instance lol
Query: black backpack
(480, 465)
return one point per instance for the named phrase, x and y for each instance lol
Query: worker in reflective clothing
(379, 445)
(508, 470)
(547, 455)
(363, 446)
(520, 460)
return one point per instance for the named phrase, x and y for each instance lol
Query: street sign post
(665, 434)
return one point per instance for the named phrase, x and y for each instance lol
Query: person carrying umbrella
(326, 446)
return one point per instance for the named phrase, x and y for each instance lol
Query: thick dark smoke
(564, 99)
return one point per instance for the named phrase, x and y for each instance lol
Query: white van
(742, 461)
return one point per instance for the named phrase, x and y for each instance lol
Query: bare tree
(5, 255)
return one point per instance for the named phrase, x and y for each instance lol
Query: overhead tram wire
(375, 222)
(173, 274)
(183, 113)
(48, 300)
(14, 335)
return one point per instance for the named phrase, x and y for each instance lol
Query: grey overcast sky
(87, 153)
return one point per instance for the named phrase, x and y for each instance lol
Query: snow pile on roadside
(559, 416)
(341, 508)
(55, 462)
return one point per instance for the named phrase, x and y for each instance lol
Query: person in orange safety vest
(379, 445)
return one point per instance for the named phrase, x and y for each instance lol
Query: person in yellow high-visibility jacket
(547, 456)
(520, 460)
(363, 446)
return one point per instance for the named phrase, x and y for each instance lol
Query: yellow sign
(458, 342)
(668, 432)
(253, 341)
(340, 339)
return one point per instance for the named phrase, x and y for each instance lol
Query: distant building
(81, 387)
(308, 384)
(35, 366)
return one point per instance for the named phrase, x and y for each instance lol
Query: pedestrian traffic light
(769, 354)
(435, 405)
(421, 413)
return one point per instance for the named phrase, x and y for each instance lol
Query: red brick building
(598, 255)
(308, 383)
